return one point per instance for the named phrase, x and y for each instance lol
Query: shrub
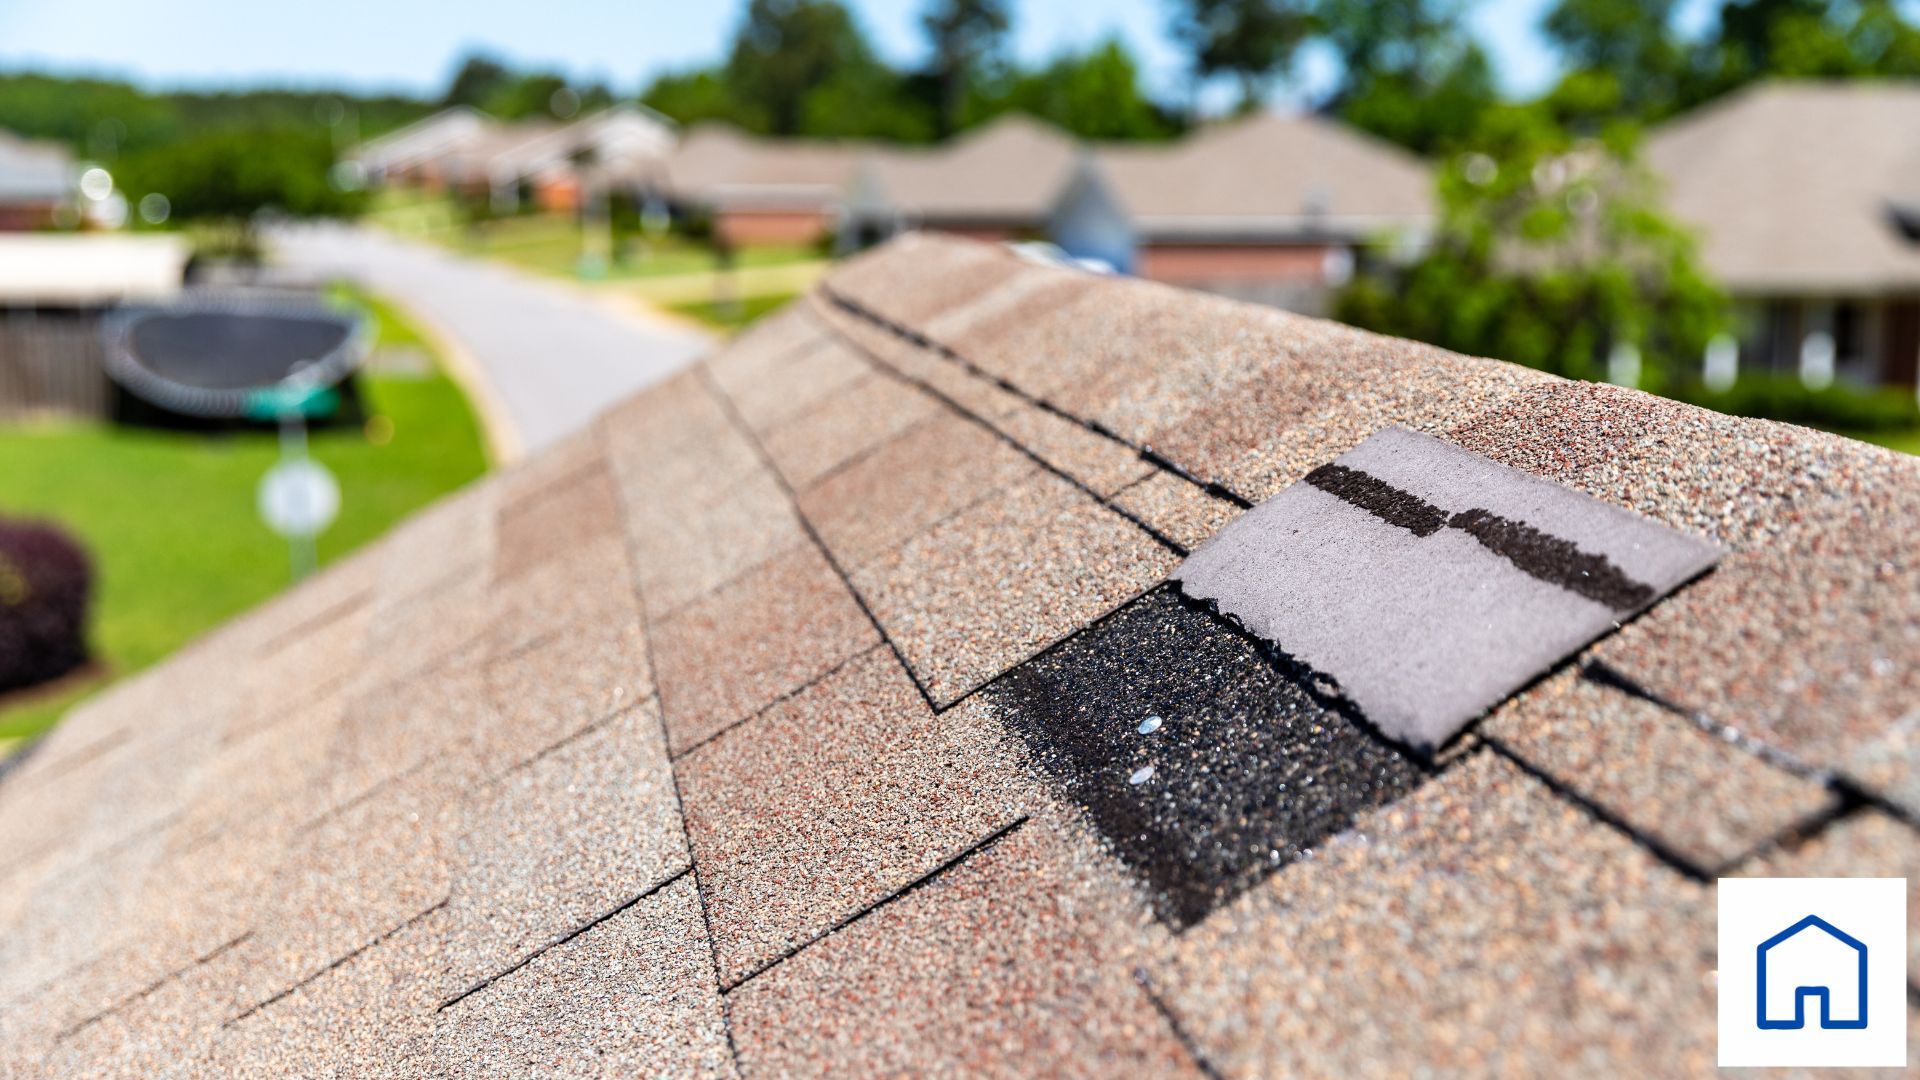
(1782, 397)
(45, 582)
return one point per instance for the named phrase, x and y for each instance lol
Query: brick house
(1806, 200)
(997, 182)
(1269, 208)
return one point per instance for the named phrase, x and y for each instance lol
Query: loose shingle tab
(1429, 582)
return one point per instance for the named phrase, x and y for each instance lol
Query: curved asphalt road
(551, 357)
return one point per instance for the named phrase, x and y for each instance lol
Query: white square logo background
(1873, 911)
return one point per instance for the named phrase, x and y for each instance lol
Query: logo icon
(1844, 957)
(1813, 972)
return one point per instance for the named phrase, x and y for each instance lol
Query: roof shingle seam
(1180, 1032)
(1106, 501)
(153, 987)
(324, 618)
(1146, 452)
(928, 878)
(789, 695)
(563, 938)
(335, 963)
(806, 525)
(1853, 796)
(680, 812)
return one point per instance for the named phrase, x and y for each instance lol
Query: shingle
(1865, 844)
(996, 583)
(832, 801)
(727, 656)
(1100, 463)
(1507, 931)
(1181, 511)
(406, 641)
(1014, 962)
(683, 553)
(919, 364)
(850, 423)
(773, 385)
(551, 689)
(1704, 799)
(1429, 583)
(942, 466)
(1811, 644)
(561, 841)
(1204, 767)
(169, 1032)
(370, 1016)
(549, 523)
(350, 879)
(392, 731)
(595, 582)
(1377, 384)
(633, 995)
(917, 278)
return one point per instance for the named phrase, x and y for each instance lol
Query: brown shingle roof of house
(704, 743)
(1792, 186)
(1010, 170)
(717, 164)
(1266, 174)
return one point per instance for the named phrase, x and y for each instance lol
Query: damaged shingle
(1429, 583)
(1203, 765)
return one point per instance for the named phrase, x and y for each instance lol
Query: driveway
(547, 358)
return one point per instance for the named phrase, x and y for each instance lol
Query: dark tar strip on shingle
(1429, 582)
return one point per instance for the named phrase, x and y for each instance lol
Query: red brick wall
(1196, 263)
(769, 228)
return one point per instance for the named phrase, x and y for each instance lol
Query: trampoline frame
(326, 371)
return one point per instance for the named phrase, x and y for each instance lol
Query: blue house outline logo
(1802, 993)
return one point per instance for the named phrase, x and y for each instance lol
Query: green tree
(1094, 94)
(231, 175)
(696, 95)
(1426, 111)
(478, 79)
(966, 36)
(1409, 71)
(1551, 252)
(1251, 41)
(785, 50)
(1758, 39)
(1623, 55)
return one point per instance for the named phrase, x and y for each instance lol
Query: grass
(170, 518)
(735, 316)
(551, 243)
(1907, 442)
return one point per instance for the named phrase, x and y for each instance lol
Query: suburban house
(1269, 208)
(542, 161)
(756, 190)
(37, 179)
(417, 154)
(997, 182)
(1806, 201)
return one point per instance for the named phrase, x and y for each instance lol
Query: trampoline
(228, 355)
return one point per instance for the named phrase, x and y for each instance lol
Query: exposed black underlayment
(1537, 554)
(1205, 766)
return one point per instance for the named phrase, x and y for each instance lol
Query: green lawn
(737, 315)
(1907, 442)
(170, 518)
(551, 244)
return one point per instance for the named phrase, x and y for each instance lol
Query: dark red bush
(45, 582)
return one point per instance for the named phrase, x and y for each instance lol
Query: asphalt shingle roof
(718, 740)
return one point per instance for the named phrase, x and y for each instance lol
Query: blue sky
(413, 44)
